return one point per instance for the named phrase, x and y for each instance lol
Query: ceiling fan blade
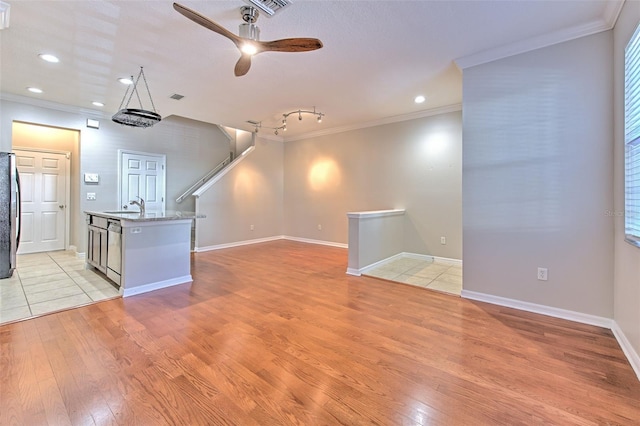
(243, 65)
(207, 23)
(290, 45)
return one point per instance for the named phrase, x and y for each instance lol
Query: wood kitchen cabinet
(97, 243)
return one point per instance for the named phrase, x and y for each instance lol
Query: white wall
(249, 194)
(537, 176)
(627, 257)
(192, 149)
(414, 165)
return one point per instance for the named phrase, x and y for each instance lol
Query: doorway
(142, 175)
(48, 139)
(45, 195)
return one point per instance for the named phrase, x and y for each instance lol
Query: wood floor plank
(277, 333)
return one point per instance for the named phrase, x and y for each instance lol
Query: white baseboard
(156, 286)
(374, 265)
(353, 271)
(625, 345)
(539, 309)
(267, 239)
(237, 244)
(447, 260)
(320, 242)
(629, 351)
(425, 257)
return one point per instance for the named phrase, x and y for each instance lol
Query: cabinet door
(103, 250)
(89, 245)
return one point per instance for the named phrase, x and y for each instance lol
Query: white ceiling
(377, 55)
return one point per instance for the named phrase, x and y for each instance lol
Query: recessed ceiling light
(34, 90)
(98, 104)
(49, 58)
(125, 80)
(419, 99)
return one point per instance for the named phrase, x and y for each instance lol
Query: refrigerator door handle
(18, 210)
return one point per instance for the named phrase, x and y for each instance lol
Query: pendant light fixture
(136, 117)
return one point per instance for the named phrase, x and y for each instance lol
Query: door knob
(61, 206)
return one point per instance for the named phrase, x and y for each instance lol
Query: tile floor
(422, 273)
(49, 282)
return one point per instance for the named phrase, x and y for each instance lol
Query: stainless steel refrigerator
(9, 213)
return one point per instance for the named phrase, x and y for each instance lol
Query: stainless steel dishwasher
(114, 251)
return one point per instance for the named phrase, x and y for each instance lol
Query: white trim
(53, 105)
(539, 309)
(354, 272)
(612, 11)
(375, 213)
(387, 120)
(237, 244)
(266, 240)
(538, 42)
(319, 242)
(156, 286)
(625, 345)
(425, 257)
(378, 263)
(447, 261)
(629, 351)
(67, 177)
(197, 193)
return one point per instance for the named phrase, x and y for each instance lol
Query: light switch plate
(91, 178)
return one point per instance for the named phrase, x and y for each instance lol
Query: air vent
(176, 96)
(270, 7)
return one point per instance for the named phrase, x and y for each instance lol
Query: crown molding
(612, 11)
(53, 105)
(388, 120)
(605, 23)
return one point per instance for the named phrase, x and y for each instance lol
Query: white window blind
(632, 139)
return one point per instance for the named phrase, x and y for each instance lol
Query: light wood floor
(277, 333)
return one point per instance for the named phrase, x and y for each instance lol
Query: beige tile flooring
(422, 273)
(49, 282)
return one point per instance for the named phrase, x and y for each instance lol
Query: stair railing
(193, 188)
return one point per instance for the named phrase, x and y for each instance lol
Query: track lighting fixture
(283, 127)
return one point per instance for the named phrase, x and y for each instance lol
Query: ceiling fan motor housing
(249, 29)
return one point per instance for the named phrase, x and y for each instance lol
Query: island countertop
(152, 215)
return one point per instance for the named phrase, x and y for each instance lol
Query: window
(632, 139)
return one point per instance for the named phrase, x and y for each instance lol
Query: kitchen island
(141, 252)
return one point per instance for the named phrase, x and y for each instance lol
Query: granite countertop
(152, 215)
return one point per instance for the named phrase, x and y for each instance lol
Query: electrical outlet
(91, 196)
(251, 227)
(443, 240)
(319, 227)
(542, 274)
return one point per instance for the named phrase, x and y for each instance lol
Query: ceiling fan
(248, 42)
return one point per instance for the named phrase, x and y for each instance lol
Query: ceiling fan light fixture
(249, 49)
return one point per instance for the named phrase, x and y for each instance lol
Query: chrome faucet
(139, 204)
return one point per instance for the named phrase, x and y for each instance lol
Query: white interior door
(142, 175)
(44, 194)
